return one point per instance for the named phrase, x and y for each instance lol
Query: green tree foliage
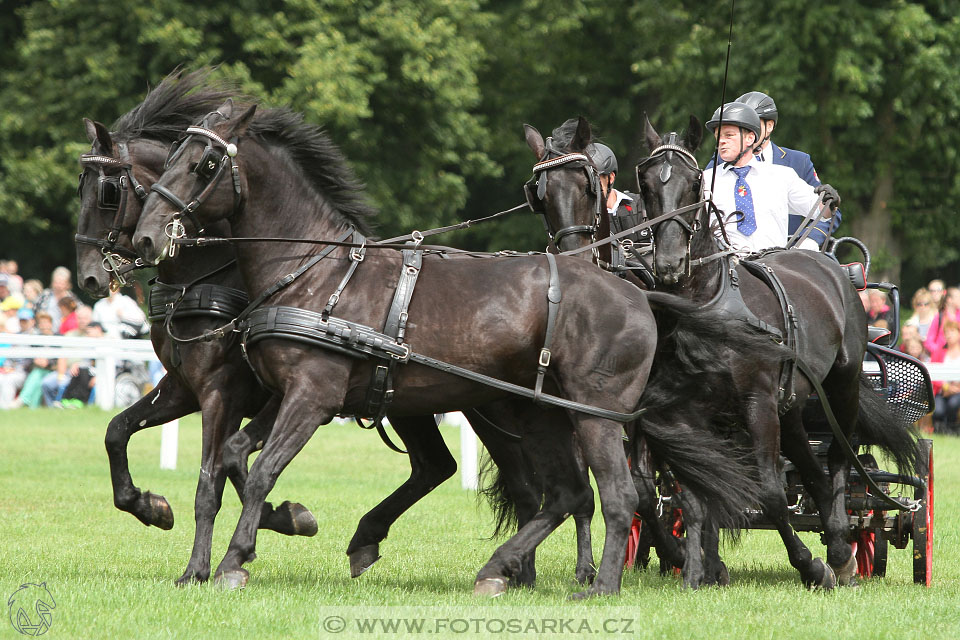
(427, 97)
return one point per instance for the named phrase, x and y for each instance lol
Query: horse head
(670, 179)
(566, 188)
(201, 183)
(112, 193)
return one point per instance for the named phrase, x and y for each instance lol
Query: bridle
(112, 194)
(217, 155)
(536, 188)
(668, 151)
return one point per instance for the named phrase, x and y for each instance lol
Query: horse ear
(694, 134)
(226, 109)
(534, 140)
(583, 136)
(650, 134)
(242, 122)
(98, 133)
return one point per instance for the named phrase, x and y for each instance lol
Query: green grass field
(112, 577)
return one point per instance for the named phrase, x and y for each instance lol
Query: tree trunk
(874, 228)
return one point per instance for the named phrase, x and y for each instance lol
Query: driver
(765, 193)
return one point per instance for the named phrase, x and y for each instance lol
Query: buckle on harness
(544, 358)
(403, 357)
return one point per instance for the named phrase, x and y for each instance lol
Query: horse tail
(495, 490)
(877, 425)
(717, 470)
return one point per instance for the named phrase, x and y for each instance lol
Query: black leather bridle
(668, 151)
(535, 189)
(217, 155)
(112, 193)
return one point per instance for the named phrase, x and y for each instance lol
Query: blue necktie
(743, 200)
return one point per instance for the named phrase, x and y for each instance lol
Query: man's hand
(829, 196)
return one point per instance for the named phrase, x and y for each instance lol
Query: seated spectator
(8, 313)
(936, 288)
(31, 394)
(949, 310)
(32, 289)
(913, 346)
(947, 394)
(908, 331)
(72, 379)
(61, 282)
(923, 312)
(68, 314)
(120, 315)
(10, 269)
(25, 317)
(878, 309)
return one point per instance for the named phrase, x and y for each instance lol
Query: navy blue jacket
(803, 165)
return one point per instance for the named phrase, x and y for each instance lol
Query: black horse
(817, 312)
(211, 376)
(478, 315)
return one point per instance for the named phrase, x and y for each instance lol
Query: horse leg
(289, 518)
(694, 517)
(844, 396)
(764, 424)
(299, 417)
(219, 419)
(669, 548)
(430, 464)
(602, 448)
(563, 493)
(169, 400)
(516, 490)
(714, 569)
(586, 571)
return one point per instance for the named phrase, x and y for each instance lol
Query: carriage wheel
(870, 549)
(923, 520)
(633, 544)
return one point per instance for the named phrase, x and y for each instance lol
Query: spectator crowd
(28, 307)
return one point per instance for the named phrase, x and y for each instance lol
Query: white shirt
(112, 312)
(777, 192)
(621, 196)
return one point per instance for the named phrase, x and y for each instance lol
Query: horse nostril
(90, 285)
(145, 247)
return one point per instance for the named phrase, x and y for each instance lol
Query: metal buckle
(357, 253)
(404, 356)
(417, 237)
(544, 358)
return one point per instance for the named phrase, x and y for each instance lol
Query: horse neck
(281, 203)
(705, 279)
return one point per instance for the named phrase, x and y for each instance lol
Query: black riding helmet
(739, 114)
(764, 105)
(603, 158)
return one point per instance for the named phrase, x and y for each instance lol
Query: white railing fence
(108, 352)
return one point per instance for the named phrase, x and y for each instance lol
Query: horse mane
(321, 161)
(179, 101)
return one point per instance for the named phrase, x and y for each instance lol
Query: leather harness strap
(554, 296)
(380, 391)
(357, 341)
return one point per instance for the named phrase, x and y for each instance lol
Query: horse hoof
(301, 520)
(161, 515)
(191, 577)
(586, 578)
(591, 592)
(846, 574)
(363, 558)
(828, 580)
(230, 580)
(723, 576)
(490, 587)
